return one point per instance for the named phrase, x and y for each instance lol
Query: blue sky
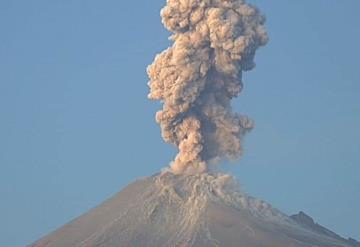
(76, 126)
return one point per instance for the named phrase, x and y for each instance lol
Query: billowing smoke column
(196, 78)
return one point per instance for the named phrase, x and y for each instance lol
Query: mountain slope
(199, 210)
(306, 221)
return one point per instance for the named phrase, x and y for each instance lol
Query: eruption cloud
(196, 78)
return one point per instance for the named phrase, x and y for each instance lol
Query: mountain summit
(200, 210)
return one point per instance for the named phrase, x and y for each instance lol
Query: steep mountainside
(199, 210)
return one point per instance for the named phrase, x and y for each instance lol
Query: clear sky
(76, 126)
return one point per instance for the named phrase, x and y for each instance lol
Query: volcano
(195, 79)
(200, 210)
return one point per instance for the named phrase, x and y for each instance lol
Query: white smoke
(196, 78)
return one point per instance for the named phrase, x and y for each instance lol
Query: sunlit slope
(200, 210)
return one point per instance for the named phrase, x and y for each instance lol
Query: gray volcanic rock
(199, 210)
(307, 222)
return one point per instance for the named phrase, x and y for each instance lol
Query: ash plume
(196, 78)
(189, 204)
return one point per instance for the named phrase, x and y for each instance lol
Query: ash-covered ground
(201, 210)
